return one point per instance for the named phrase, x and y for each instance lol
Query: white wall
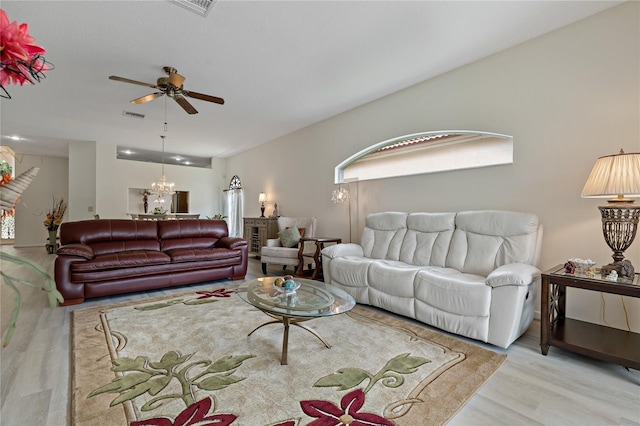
(114, 177)
(93, 177)
(51, 181)
(82, 180)
(567, 98)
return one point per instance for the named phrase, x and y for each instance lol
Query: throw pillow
(302, 231)
(289, 237)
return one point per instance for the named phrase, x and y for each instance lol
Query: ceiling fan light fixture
(170, 86)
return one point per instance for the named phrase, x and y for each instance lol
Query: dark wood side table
(594, 340)
(320, 243)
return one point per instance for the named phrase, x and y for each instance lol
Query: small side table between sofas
(320, 243)
(594, 340)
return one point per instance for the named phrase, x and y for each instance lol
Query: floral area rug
(187, 360)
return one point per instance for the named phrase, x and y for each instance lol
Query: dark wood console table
(594, 340)
(320, 243)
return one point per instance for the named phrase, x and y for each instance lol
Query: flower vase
(52, 245)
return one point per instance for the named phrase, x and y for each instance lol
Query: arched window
(427, 152)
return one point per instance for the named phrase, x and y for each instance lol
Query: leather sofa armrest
(343, 249)
(513, 274)
(231, 242)
(76, 249)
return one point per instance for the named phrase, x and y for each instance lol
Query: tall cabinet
(257, 230)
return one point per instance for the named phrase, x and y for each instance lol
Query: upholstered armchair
(284, 249)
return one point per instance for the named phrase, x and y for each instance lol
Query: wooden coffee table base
(286, 321)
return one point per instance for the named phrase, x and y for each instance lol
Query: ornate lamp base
(619, 226)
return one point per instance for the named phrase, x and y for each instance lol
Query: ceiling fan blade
(185, 104)
(203, 97)
(176, 79)
(147, 98)
(126, 80)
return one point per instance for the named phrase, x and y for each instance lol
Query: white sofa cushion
(485, 240)
(453, 301)
(391, 286)
(383, 234)
(350, 273)
(427, 239)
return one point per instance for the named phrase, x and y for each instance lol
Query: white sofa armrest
(513, 274)
(273, 242)
(343, 249)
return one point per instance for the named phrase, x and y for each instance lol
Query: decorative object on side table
(575, 265)
(262, 198)
(276, 212)
(617, 176)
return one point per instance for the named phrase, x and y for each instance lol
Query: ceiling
(279, 65)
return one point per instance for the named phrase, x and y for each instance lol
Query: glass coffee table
(313, 299)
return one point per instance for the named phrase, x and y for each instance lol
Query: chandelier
(162, 187)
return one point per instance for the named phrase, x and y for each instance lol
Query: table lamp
(261, 199)
(617, 176)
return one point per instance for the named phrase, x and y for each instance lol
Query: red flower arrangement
(21, 60)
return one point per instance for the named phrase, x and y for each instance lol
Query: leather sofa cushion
(451, 291)
(190, 233)
(383, 234)
(485, 240)
(81, 250)
(107, 230)
(142, 271)
(122, 260)
(181, 255)
(427, 240)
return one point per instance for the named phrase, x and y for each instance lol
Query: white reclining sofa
(472, 273)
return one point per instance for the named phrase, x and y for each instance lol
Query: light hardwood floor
(559, 389)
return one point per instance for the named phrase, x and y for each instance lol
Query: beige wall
(51, 181)
(567, 98)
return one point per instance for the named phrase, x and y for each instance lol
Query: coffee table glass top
(313, 299)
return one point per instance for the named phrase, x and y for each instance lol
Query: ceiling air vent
(133, 115)
(201, 7)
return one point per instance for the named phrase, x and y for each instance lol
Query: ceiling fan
(172, 87)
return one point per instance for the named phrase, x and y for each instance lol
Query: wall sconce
(262, 198)
(617, 176)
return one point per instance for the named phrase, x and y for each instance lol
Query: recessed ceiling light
(15, 138)
(127, 151)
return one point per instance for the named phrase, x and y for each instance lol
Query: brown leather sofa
(111, 256)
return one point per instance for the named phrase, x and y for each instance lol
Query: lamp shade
(614, 176)
(262, 197)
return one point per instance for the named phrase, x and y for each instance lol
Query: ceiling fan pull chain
(165, 114)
